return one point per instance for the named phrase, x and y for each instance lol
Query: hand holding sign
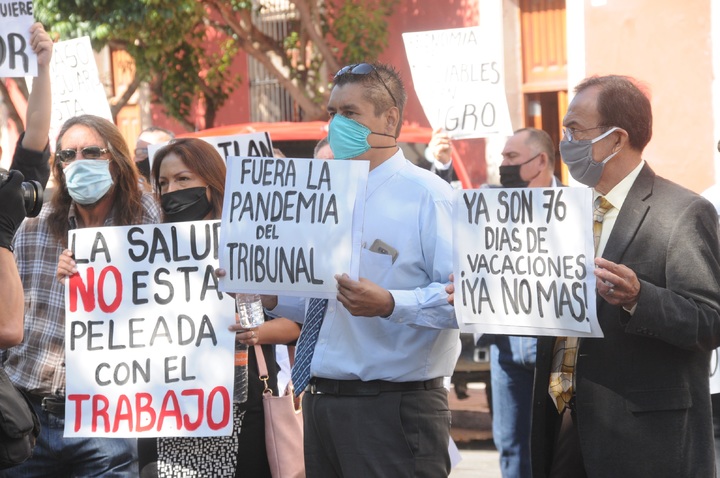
(617, 284)
(39, 107)
(66, 266)
(440, 146)
(41, 44)
(450, 289)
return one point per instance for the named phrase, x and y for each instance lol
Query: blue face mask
(348, 138)
(88, 180)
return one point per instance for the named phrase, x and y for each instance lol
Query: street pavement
(477, 464)
(472, 433)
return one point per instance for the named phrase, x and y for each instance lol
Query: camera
(32, 193)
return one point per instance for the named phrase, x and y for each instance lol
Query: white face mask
(88, 180)
(578, 157)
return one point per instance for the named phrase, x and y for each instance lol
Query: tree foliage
(170, 41)
(319, 41)
(184, 48)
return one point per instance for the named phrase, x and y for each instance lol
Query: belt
(53, 404)
(328, 386)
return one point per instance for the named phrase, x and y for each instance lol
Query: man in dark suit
(639, 403)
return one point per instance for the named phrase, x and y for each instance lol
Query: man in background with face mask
(151, 135)
(635, 402)
(528, 161)
(375, 404)
(97, 186)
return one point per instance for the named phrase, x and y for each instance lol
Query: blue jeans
(60, 457)
(512, 370)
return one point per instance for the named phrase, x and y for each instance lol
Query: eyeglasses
(364, 69)
(89, 152)
(569, 133)
(141, 151)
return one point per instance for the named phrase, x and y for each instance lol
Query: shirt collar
(617, 195)
(73, 220)
(385, 171)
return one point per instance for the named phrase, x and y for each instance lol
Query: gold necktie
(562, 378)
(602, 206)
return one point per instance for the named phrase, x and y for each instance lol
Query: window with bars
(269, 101)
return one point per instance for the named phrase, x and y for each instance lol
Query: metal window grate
(268, 100)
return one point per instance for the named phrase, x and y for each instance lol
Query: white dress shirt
(616, 196)
(410, 210)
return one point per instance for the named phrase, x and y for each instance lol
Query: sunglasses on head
(364, 69)
(89, 152)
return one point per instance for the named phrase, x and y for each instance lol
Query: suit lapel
(631, 216)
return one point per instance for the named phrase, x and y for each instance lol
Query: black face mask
(510, 177)
(189, 204)
(144, 167)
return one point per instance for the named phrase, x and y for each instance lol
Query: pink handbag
(283, 428)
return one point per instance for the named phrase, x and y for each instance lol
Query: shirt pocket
(374, 266)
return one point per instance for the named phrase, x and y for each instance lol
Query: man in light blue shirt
(375, 405)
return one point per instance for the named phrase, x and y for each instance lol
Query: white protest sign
(523, 261)
(460, 81)
(714, 372)
(290, 225)
(17, 58)
(76, 85)
(250, 144)
(147, 346)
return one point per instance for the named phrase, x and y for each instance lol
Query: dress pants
(567, 459)
(400, 434)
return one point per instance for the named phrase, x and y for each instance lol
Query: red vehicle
(298, 140)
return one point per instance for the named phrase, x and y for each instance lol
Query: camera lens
(33, 196)
(32, 193)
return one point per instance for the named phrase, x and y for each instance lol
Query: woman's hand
(245, 336)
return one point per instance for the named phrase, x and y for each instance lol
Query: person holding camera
(30, 161)
(11, 293)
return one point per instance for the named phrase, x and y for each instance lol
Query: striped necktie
(300, 373)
